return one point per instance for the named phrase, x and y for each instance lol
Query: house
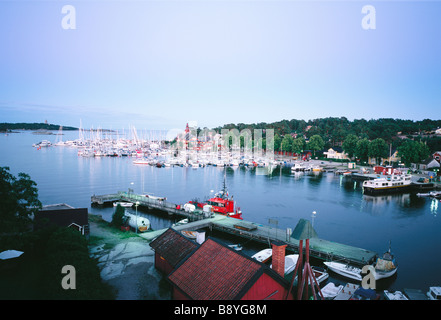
(438, 131)
(170, 248)
(336, 153)
(216, 272)
(62, 215)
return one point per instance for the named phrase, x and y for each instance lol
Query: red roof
(215, 272)
(173, 246)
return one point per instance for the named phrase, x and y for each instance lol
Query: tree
(118, 216)
(298, 145)
(350, 145)
(378, 149)
(412, 151)
(19, 201)
(277, 142)
(362, 149)
(315, 143)
(287, 142)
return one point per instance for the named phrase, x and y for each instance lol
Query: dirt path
(127, 264)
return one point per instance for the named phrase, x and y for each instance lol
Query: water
(343, 213)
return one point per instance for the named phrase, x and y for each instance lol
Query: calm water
(344, 214)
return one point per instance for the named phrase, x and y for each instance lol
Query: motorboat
(290, 262)
(263, 255)
(123, 204)
(434, 293)
(237, 247)
(141, 161)
(138, 222)
(330, 291)
(397, 295)
(388, 184)
(384, 267)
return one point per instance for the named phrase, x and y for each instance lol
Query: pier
(319, 248)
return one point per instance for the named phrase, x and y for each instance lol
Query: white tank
(141, 223)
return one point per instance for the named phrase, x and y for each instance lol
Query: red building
(170, 248)
(216, 272)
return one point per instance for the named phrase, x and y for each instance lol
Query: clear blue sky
(159, 64)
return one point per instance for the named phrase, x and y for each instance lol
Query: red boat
(221, 204)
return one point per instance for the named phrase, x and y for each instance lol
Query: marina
(352, 226)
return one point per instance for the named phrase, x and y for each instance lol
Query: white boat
(290, 262)
(434, 293)
(180, 222)
(141, 161)
(390, 183)
(383, 269)
(123, 204)
(330, 291)
(263, 255)
(237, 247)
(397, 295)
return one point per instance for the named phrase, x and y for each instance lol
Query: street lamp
(136, 222)
(313, 216)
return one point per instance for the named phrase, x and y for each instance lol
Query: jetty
(319, 248)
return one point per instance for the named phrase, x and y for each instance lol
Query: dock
(319, 248)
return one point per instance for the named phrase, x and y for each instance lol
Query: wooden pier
(319, 248)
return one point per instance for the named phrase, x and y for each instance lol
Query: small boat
(141, 161)
(290, 262)
(330, 291)
(384, 267)
(181, 222)
(123, 204)
(138, 222)
(397, 295)
(434, 293)
(236, 247)
(190, 234)
(155, 197)
(263, 255)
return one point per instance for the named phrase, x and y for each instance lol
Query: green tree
(19, 201)
(287, 142)
(277, 142)
(350, 145)
(378, 149)
(118, 216)
(412, 151)
(315, 143)
(298, 145)
(362, 149)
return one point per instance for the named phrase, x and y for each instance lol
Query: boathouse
(216, 272)
(170, 248)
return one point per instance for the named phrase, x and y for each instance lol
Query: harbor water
(343, 213)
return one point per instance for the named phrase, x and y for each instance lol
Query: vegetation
(38, 272)
(118, 218)
(19, 201)
(4, 127)
(360, 138)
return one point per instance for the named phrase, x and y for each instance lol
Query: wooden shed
(170, 248)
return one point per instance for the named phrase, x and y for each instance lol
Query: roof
(173, 246)
(216, 272)
(304, 230)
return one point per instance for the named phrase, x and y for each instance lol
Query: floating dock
(319, 248)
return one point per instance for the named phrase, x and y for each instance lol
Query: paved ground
(127, 265)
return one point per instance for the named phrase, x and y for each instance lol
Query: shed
(62, 215)
(216, 272)
(170, 248)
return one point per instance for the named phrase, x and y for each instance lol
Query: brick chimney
(278, 264)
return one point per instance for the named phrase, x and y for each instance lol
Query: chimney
(278, 264)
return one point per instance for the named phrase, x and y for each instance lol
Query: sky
(157, 64)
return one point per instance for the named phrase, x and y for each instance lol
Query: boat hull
(355, 273)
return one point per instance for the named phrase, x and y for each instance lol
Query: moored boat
(263, 255)
(290, 262)
(397, 295)
(388, 184)
(123, 204)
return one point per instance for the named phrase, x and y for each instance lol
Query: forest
(360, 138)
